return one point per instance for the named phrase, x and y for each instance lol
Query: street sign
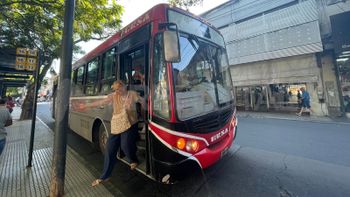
(21, 51)
(20, 66)
(31, 61)
(20, 60)
(30, 67)
(31, 64)
(32, 52)
(20, 63)
(26, 59)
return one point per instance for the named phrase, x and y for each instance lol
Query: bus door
(133, 70)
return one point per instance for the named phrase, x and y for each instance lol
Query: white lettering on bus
(219, 135)
(143, 19)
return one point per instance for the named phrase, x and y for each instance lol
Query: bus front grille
(211, 122)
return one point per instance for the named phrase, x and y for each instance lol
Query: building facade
(276, 47)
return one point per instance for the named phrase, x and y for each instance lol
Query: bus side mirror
(171, 46)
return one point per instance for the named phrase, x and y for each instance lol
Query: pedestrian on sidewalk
(5, 121)
(10, 104)
(299, 99)
(124, 102)
(305, 100)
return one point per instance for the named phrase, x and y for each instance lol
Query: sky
(134, 9)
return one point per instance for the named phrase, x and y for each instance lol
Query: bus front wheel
(102, 138)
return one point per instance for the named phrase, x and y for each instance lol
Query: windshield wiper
(193, 38)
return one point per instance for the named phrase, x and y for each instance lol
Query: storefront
(341, 37)
(274, 85)
(344, 77)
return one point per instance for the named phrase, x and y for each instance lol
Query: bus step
(142, 136)
(141, 145)
(142, 128)
(142, 165)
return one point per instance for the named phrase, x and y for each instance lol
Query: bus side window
(125, 66)
(73, 82)
(108, 71)
(78, 81)
(91, 77)
(133, 69)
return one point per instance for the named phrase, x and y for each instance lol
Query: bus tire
(102, 138)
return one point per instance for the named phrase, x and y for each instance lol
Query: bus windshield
(193, 26)
(202, 80)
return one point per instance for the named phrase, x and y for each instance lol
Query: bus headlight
(192, 146)
(181, 143)
(189, 145)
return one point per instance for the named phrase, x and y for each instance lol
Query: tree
(39, 24)
(185, 3)
(13, 91)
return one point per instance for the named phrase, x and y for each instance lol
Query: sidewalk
(17, 180)
(293, 117)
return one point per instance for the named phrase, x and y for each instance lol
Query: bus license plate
(224, 152)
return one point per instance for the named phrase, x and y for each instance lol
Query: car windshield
(202, 80)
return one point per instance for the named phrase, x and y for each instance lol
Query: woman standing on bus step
(127, 139)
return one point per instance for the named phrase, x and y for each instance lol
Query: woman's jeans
(2, 145)
(127, 141)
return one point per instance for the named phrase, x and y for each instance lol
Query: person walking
(124, 127)
(10, 104)
(5, 121)
(299, 99)
(305, 100)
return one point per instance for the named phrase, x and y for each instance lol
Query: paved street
(271, 157)
(325, 142)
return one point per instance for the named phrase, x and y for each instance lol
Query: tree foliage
(185, 3)
(13, 91)
(39, 24)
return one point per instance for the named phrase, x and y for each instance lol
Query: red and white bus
(178, 62)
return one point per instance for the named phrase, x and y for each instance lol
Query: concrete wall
(319, 109)
(330, 85)
(291, 70)
(284, 32)
(296, 69)
(235, 11)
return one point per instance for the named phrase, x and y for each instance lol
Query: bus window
(77, 86)
(108, 71)
(133, 69)
(91, 78)
(80, 75)
(138, 74)
(108, 65)
(160, 101)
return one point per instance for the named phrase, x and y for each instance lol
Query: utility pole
(61, 127)
(35, 99)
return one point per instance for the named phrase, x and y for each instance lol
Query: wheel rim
(103, 139)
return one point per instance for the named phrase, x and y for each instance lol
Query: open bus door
(134, 71)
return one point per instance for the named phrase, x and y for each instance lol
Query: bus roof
(155, 13)
(152, 14)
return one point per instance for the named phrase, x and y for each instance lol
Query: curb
(292, 119)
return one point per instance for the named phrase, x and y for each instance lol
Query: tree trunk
(27, 106)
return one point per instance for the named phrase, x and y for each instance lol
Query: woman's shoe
(98, 181)
(133, 166)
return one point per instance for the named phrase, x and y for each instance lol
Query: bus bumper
(215, 152)
(181, 166)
